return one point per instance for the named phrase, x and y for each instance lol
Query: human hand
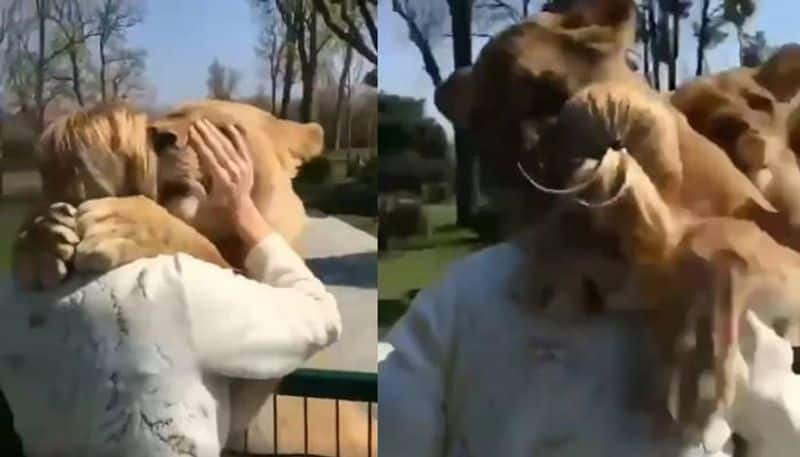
(766, 412)
(230, 165)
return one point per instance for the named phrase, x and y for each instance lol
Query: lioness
(117, 152)
(510, 101)
(745, 111)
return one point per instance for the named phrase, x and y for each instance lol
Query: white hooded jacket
(137, 362)
(470, 372)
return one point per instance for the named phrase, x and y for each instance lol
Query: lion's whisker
(566, 191)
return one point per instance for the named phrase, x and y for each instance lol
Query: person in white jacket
(138, 362)
(470, 371)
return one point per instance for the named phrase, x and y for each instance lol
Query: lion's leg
(728, 305)
(116, 231)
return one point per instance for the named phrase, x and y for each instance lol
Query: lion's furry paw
(45, 247)
(116, 231)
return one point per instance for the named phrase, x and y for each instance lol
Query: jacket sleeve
(411, 389)
(260, 328)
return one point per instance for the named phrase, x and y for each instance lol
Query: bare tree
(125, 72)
(291, 21)
(340, 94)
(114, 18)
(222, 81)
(75, 27)
(738, 13)
(300, 17)
(349, 30)
(310, 44)
(271, 48)
(425, 21)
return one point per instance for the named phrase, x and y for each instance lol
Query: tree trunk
(275, 57)
(41, 64)
(309, 68)
(702, 39)
(653, 31)
(348, 57)
(103, 90)
(349, 110)
(461, 19)
(676, 28)
(646, 45)
(76, 76)
(740, 40)
(288, 74)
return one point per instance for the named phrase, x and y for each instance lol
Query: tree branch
(499, 5)
(351, 36)
(369, 20)
(418, 38)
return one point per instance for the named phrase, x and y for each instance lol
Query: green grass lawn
(421, 261)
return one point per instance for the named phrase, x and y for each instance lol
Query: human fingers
(221, 147)
(241, 148)
(206, 155)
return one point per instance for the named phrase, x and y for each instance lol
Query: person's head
(513, 93)
(98, 152)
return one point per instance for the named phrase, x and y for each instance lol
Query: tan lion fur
(99, 152)
(745, 111)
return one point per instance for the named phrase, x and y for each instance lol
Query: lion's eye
(758, 102)
(163, 140)
(728, 128)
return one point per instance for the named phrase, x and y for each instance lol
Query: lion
(746, 112)
(509, 101)
(113, 151)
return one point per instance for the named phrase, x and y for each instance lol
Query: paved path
(346, 260)
(21, 182)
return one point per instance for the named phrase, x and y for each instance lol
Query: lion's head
(745, 112)
(278, 147)
(520, 81)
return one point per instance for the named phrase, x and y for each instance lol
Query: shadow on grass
(390, 310)
(421, 243)
(448, 228)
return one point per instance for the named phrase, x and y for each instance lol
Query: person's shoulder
(487, 269)
(483, 276)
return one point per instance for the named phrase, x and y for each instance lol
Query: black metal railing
(322, 384)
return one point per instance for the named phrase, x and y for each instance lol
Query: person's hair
(101, 151)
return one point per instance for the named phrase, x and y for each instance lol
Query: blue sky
(401, 71)
(182, 37)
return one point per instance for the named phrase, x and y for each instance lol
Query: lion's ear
(169, 131)
(303, 141)
(454, 97)
(780, 74)
(606, 25)
(794, 131)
